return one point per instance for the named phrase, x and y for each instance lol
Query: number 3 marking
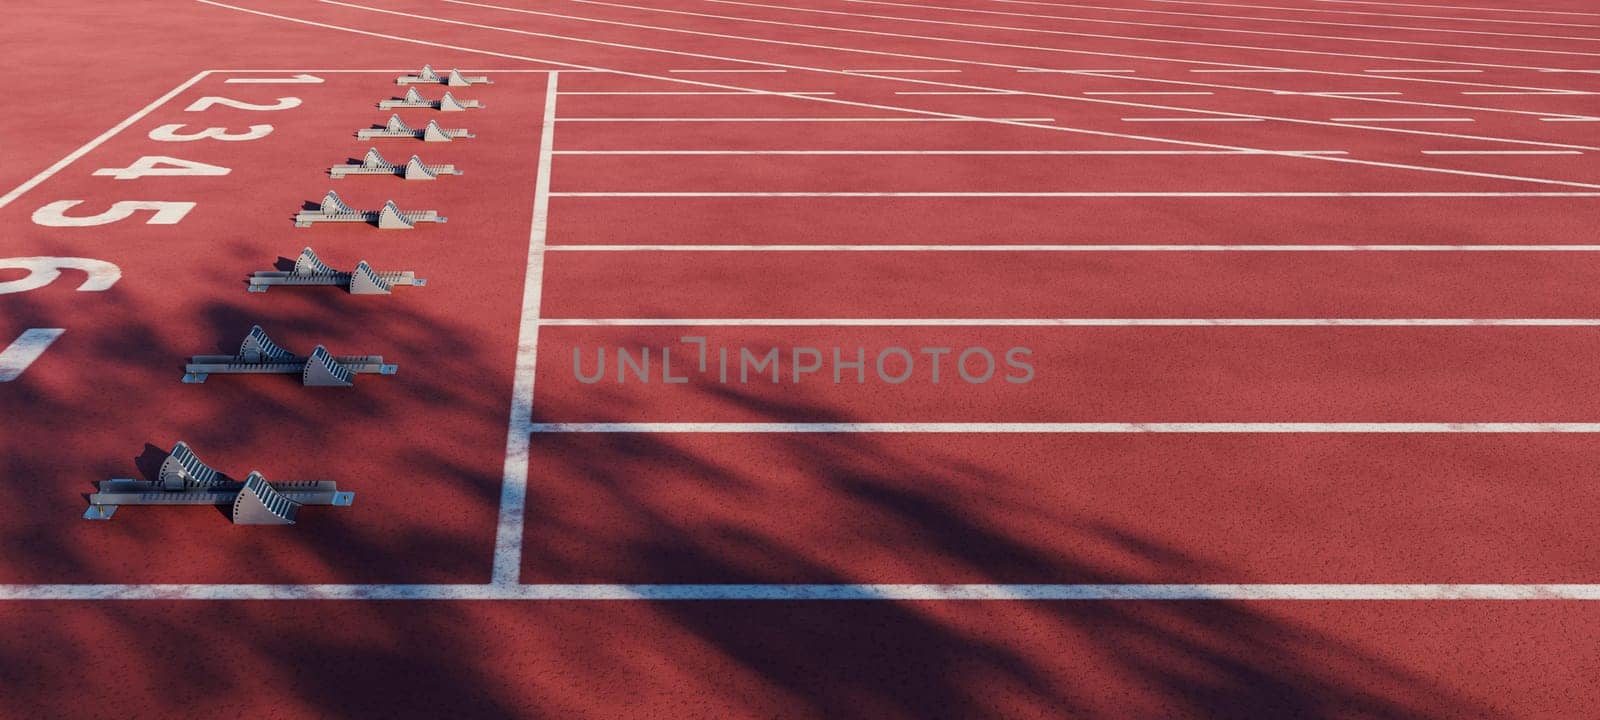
(169, 133)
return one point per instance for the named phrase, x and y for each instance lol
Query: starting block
(454, 78)
(414, 99)
(397, 128)
(374, 164)
(259, 355)
(185, 480)
(310, 270)
(390, 217)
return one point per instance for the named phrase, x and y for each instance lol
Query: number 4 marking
(24, 350)
(150, 166)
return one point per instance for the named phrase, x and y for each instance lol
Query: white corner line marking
(61, 164)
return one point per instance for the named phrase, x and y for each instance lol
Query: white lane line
(816, 592)
(1077, 71)
(1067, 428)
(1581, 72)
(22, 352)
(1403, 120)
(896, 72)
(893, 54)
(1501, 152)
(1080, 194)
(954, 152)
(681, 92)
(1529, 92)
(1036, 48)
(1074, 248)
(1458, 7)
(1246, 71)
(1345, 93)
(1190, 119)
(99, 140)
(1128, 38)
(799, 119)
(1241, 17)
(1071, 322)
(1230, 18)
(1344, 12)
(954, 92)
(1146, 92)
(915, 111)
(514, 483)
(1570, 119)
(1405, 71)
(723, 70)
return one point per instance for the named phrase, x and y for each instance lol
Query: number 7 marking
(24, 350)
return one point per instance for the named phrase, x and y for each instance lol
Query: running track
(1306, 285)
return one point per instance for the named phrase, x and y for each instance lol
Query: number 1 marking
(297, 79)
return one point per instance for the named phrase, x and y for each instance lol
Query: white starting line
(812, 592)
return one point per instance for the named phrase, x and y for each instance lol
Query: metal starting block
(414, 99)
(454, 78)
(374, 164)
(260, 355)
(185, 480)
(391, 217)
(310, 270)
(397, 128)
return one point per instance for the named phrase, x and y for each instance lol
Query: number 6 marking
(166, 213)
(284, 103)
(45, 270)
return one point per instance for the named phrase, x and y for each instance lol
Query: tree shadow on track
(609, 508)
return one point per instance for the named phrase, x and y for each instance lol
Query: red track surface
(425, 450)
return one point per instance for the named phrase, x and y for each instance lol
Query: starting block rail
(374, 164)
(414, 99)
(258, 355)
(391, 217)
(309, 270)
(397, 128)
(185, 480)
(454, 78)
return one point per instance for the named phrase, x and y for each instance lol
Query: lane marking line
(1087, 428)
(1071, 322)
(1074, 248)
(1085, 194)
(507, 566)
(18, 356)
(815, 592)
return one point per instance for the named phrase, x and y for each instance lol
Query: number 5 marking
(166, 213)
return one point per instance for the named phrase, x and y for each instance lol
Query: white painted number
(169, 133)
(27, 348)
(45, 270)
(283, 103)
(292, 80)
(165, 213)
(152, 166)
